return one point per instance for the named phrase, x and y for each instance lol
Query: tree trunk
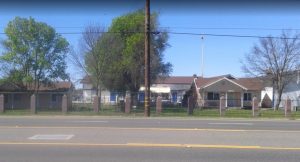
(98, 93)
(100, 98)
(134, 100)
(279, 89)
(97, 89)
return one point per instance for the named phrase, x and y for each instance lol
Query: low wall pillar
(33, 104)
(1, 103)
(127, 104)
(158, 105)
(64, 105)
(255, 107)
(222, 106)
(288, 108)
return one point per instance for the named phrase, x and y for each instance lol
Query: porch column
(1, 103)
(242, 99)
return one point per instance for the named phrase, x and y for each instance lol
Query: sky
(222, 54)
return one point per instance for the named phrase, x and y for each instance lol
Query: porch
(232, 99)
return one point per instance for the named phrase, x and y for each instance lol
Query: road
(72, 138)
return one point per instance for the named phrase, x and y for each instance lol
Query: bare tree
(276, 58)
(91, 58)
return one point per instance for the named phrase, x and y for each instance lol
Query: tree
(126, 70)
(276, 58)
(34, 53)
(93, 59)
(88, 59)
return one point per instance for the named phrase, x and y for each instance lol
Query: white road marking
(89, 121)
(231, 123)
(51, 137)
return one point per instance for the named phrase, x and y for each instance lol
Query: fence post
(255, 108)
(190, 105)
(158, 105)
(64, 105)
(96, 104)
(288, 108)
(127, 104)
(33, 104)
(222, 106)
(1, 103)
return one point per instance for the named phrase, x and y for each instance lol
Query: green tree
(34, 53)
(126, 70)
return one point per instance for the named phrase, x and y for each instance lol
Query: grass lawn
(166, 112)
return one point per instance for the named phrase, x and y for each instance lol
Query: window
(247, 96)
(165, 96)
(213, 96)
(54, 98)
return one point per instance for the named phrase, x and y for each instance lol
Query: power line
(192, 28)
(230, 28)
(183, 33)
(231, 35)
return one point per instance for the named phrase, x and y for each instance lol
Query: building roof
(56, 86)
(164, 80)
(86, 79)
(175, 80)
(245, 83)
(250, 83)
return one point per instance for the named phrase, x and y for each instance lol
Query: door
(174, 97)
(113, 96)
(141, 96)
(233, 99)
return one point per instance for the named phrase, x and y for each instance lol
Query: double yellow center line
(169, 145)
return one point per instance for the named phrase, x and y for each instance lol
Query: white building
(292, 91)
(172, 89)
(89, 92)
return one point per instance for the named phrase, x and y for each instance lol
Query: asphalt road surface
(77, 139)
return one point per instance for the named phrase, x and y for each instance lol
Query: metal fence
(167, 107)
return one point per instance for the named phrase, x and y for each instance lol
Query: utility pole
(202, 57)
(147, 59)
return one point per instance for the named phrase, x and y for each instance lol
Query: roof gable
(86, 79)
(225, 78)
(244, 83)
